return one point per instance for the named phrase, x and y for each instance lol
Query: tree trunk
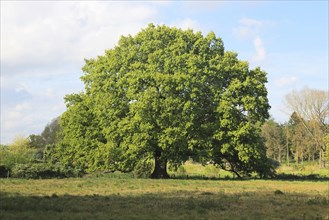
(160, 168)
(322, 161)
(288, 152)
(297, 157)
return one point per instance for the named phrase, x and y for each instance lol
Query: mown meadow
(203, 196)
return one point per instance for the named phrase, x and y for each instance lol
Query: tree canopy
(166, 95)
(311, 110)
(48, 136)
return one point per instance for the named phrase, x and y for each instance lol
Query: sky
(44, 44)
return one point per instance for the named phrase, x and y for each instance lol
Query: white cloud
(187, 24)
(43, 44)
(40, 33)
(21, 87)
(247, 28)
(286, 81)
(251, 29)
(50, 93)
(13, 116)
(161, 3)
(260, 50)
(199, 6)
(242, 32)
(251, 22)
(22, 106)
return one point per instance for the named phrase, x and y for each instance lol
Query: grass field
(118, 196)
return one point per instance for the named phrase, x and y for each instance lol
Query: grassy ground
(117, 196)
(306, 171)
(307, 168)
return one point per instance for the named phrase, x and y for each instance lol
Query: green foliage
(50, 133)
(275, 143)
(168, 95)
(43, 171)
(309, 122)
(19, 160)
(143, 169)
(20, 145)
(49, 136)
(307, 139)
(18, 152)
(181, 170)
(36, 141)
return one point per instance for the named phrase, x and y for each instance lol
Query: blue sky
(43, 45)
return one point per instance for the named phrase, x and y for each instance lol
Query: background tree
(17, 152)
(275, 140)
(312, 107)
(46, 140)
(36, 141)
(298, 136)
(167, 95)
(51, 131)
(326, 140)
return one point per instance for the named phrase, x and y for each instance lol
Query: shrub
(43, 171)
(4, 171)
(143, 169)
(278, 192)
(68, 171)
(16, 153)
(181, 171)
(212, 170)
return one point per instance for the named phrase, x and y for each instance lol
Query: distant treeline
(305, 136)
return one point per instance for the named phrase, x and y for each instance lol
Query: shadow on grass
(201, 177)
(294, 177)
(175, 205)
(283, 177)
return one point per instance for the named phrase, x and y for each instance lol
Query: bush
(268, 168)
(211, 170)
(4, 171)
(43, 171)
(16, 153)
(143, 169)
(181, 171)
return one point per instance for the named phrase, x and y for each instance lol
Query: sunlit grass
(307, 168)
(127, 198)
(120, 196)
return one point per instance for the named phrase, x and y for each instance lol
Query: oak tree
(167, 95)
